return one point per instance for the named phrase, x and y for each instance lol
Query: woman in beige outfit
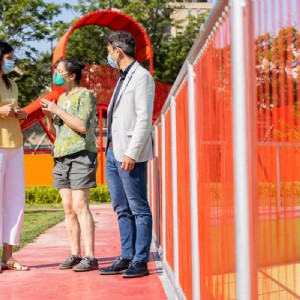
(12, 189)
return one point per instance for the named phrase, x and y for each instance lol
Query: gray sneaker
(70, 262)
(86, 264)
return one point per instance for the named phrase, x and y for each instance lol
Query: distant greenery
(100, 194)
(42, 195)
(23, 22)
(47, 195)
(266, 194)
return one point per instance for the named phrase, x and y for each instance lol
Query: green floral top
(81, 104)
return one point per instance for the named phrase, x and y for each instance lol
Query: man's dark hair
(123, 40)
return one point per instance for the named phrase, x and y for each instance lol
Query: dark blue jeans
(128, 193)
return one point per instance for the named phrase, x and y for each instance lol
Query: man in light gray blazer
(129, 147)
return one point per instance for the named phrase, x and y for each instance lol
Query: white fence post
(157, 194)
(163, 185)
(193, 185)
(174, 190)
(241, 182)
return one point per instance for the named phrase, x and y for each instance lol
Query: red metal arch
(107, 18)
(116, 21)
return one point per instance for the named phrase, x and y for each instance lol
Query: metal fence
(224, 186)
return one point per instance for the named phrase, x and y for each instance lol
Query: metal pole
(241, 182)
(50, 136)
(278, 178)
(163, 187)
(193, 185)
(38, 145)
(174, 191)
(100, 120)
(153, 178)
(149, 184)
(157, 197)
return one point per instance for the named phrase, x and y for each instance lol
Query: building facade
(183, 9)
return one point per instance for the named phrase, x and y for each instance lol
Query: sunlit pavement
(46, 281)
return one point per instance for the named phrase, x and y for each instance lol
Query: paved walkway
(44, 281)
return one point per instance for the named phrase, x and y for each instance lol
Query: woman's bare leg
(85, 218)
(73, 228)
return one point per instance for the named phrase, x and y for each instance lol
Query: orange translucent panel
(183, 192)
(169, 247)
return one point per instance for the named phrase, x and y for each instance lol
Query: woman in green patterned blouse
(72, 121)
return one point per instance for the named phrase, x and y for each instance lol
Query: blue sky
(65, 16)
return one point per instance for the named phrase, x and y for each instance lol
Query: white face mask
(112, 62)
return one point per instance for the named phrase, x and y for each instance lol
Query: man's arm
(144, 100)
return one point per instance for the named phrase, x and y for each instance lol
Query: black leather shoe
(118, 266)
(136, 269)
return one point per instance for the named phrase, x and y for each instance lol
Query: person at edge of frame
(12, 190)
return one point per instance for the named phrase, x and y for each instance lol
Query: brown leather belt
(110, 145)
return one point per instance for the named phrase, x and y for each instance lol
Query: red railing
(194, 187)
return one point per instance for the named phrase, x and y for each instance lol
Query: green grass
(47, 206)
(37, 219)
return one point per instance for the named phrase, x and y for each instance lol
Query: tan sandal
(13, 264)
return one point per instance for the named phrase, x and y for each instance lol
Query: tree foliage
(35, 77)
(21, 23)
(274, 57)
(88, 44)
(24, 21)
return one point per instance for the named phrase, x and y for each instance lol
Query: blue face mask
(8, 66)
(112, 62)
(58, 79)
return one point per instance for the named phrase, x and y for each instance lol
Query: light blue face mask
(8, 66)
(112, 62)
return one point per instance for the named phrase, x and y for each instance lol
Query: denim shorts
(75, 171)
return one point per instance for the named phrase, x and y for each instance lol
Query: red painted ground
(44, 281)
